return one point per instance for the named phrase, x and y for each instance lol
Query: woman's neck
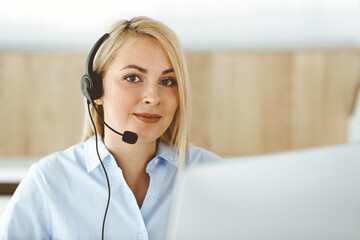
(130, 157)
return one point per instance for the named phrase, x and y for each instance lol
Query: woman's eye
(168, 82)
(132, 78)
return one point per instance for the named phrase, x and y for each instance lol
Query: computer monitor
(307, 194)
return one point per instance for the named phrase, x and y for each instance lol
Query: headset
(92, 89)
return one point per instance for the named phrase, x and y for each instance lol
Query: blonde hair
(123, 32)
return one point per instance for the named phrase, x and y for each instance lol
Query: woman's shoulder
(196, 155)
(73, 155)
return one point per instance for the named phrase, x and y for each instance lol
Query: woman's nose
(151, 96)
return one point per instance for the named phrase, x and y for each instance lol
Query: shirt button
(156, 160)
(151, 199)
(141, 236)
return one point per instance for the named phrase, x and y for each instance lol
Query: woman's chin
(146, 139)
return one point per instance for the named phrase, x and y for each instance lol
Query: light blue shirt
(64, 196)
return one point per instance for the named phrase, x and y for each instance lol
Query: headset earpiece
(91, 83)
(85, 85)
(91, 87)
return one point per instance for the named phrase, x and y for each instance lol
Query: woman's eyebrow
(168, 71)
(143, 70)
(140, 69)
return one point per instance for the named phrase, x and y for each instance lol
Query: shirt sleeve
(27, 213)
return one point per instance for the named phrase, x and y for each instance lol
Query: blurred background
(267, 75)
(200, 24)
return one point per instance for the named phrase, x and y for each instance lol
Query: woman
(145, 91)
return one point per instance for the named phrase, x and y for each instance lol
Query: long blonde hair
(123, 32)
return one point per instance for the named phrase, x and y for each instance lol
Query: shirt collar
(168, 153)
(164, 151)
(92, 159)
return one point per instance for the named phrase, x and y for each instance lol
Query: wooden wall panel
(40, 101)
(244, 102)
(251, 102)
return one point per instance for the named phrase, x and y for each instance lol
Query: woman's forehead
(144, 50)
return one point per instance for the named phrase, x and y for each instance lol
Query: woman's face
(140, 90)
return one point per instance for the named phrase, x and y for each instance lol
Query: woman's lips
(147, 117)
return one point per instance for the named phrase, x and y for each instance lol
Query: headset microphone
(129, 137)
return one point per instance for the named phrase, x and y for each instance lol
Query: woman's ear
(99, 101)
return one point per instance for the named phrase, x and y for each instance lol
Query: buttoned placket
(151, 195)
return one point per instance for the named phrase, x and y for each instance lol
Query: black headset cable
(106, 175)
